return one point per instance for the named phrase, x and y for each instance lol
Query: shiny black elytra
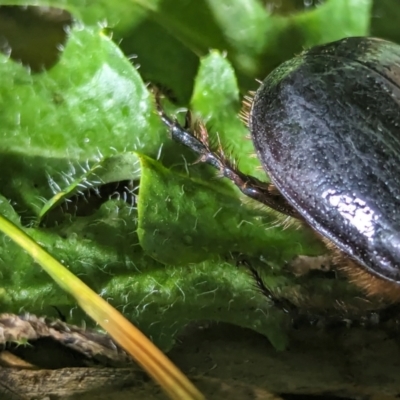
(326, 128)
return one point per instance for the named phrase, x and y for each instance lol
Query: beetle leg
(285, 305)
(250, 186)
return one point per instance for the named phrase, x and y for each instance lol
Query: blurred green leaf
(91, 12)
(255, 41)
(385, 19)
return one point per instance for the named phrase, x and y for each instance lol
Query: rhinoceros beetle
(326, 128)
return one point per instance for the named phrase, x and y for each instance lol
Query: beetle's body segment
(326, 127)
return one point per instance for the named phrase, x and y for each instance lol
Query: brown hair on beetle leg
(214, 146)
(371, 284)
(200, 132)
(247, 102)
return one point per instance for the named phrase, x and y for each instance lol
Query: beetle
(326, 128)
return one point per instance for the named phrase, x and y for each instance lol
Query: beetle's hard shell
(326, 127)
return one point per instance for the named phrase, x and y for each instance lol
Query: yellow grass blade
(158, 366)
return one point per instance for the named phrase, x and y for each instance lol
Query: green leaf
(91, 12)
(385, 20)
(56, 125)
(216, 99)
(254, 40)
(103, 250)
(172, 66)
(182, 220)
(121, 167)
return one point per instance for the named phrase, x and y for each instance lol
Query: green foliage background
(78, 116)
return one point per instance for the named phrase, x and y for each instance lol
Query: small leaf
(216, 99)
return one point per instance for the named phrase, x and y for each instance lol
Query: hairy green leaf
(56, 125)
